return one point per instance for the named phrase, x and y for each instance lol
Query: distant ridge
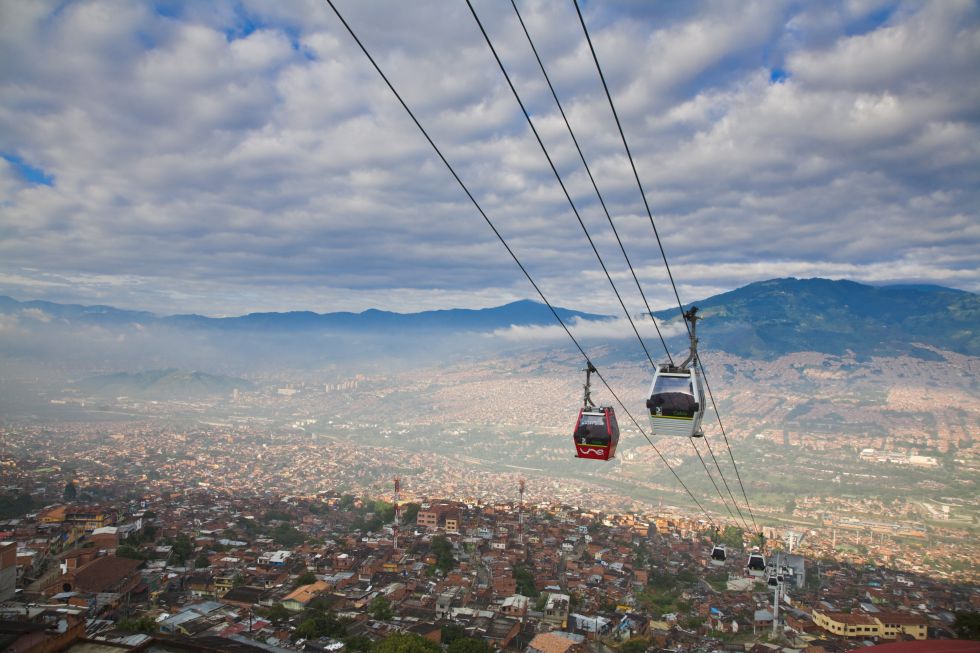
(771, 318)
(764, 320)
(519, 313)
(162, 384)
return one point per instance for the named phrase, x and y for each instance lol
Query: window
(593, 419)
(680, 384)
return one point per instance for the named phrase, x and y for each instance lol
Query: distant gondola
(718, 555)
(596, 430)
(756, 565)
(676, 402)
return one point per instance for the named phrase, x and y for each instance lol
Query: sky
(230, 157)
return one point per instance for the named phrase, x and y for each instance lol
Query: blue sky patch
(778, 76)
(34, 175)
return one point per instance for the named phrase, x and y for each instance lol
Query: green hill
(771, 318)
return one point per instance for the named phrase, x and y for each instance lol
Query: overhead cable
(595, 186)
(561, 183)
(656, 233)
(503, 242)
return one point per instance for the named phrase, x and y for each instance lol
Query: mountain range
(780, 316)
(519, 313)
(762, 320)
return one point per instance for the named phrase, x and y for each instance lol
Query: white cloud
(36, 314)
(616, 329)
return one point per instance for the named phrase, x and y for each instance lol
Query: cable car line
(629, 155)
(612, 225)
(663, 253)
(503, 242)
(561, 183)
(711, 478)
(588, 170)
(727, 487)
(585, 230)
(748, 505)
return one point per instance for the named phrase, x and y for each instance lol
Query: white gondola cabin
(676, 401)
(718, 555)
(756, 565)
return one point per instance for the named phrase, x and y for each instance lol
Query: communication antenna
(397, 496)
(520, 513)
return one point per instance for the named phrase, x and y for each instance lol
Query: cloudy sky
(227, 157)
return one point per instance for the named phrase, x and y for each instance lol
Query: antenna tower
(520, 513)
(397, 497)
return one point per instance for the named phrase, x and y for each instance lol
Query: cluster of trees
(145, 624)
(442, 548)
(732, 537)
(453, 638)
(318, 620)
(15, 504)
(525, 581)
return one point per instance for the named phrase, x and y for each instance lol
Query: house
(556, 642)
(300, 597)
(556, 610)
(105, 575)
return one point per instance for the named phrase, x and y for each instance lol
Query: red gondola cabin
(596, 433)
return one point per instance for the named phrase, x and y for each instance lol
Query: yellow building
(54, 515)
(883, 625)
(299, 598)
(894, 624)
(224, 584)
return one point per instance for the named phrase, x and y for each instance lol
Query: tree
(635, 645)
(278, 614)
(131, 552)
(71, 492)
(182, 549)
(307, 630)
(361, 643)
(967, 625)
(450, 633)
(306, 578)
(468, 645)
(15, 505)
(732, 538)
(525, 581)
(410, 513)
(443, 550)
(145, 624)
(287, 536)
(406, 643)
(381, 608)
(202, 560)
